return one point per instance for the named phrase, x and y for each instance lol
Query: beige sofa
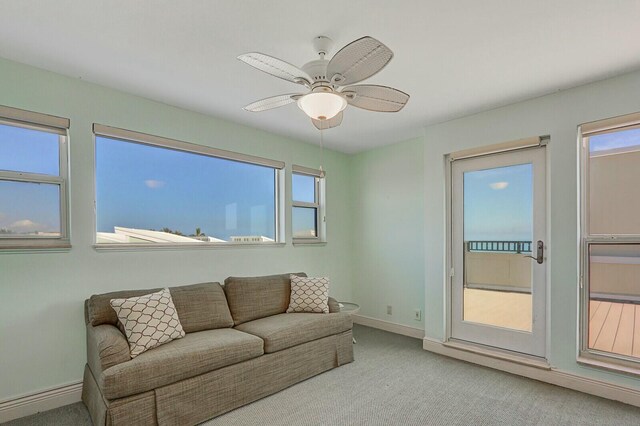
(239, 346)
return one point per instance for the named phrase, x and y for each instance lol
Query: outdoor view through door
(497, 235)
(497, 240)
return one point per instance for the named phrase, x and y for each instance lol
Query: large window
(33, 180)
(307, 218)
(156, 191)
(610, 314)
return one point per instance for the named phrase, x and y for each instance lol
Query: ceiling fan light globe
(322, 106)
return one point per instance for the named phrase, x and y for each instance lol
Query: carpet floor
(395, 382)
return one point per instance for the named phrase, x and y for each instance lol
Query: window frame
(589, 356)
(50, 124)
(318, 204)
(100, 130)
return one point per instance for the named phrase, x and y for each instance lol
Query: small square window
(307, 218)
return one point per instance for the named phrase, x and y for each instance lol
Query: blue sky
(498, 204)
(303, 188)
(140, 186)
(29, 207)
(606, 141)
(18, 145)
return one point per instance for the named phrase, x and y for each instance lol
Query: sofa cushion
(200, 306)
(309, 294)
(286, 330)
(251, 298)
(149, 321)
(194, 354)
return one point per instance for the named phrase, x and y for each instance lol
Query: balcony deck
(498, 308)
(614, 327)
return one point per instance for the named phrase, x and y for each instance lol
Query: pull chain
(322, 149)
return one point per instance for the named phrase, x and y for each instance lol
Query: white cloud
(26, 225)
(498, 185)
(154, 184)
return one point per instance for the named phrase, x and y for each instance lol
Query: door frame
(540, 142)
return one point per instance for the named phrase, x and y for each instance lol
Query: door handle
(539, 252)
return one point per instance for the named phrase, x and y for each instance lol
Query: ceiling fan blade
(327, 124)
(276, 67)
(272, 102)
(375, 98)
(358, 60)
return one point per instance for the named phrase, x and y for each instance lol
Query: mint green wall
(42, 342)
(388, 231)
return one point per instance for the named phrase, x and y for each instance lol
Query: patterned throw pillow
(148, 320)
(309, 294)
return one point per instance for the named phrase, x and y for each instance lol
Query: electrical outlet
(389, 310)
(417, 314)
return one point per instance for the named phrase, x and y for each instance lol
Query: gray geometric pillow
(309, 294)
(148, 320)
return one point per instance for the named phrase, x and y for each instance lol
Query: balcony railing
(499, 246)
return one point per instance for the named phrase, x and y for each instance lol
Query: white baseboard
(549, 375)
(40, 401)
(392, 327)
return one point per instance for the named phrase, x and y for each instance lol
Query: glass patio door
(498, 259)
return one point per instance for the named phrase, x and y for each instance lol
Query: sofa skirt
(200, 398)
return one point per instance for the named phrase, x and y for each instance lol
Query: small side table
(349, 308)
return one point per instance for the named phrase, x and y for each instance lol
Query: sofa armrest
(333, 305)
(106, 347)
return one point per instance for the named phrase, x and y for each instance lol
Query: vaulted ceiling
(454, 58)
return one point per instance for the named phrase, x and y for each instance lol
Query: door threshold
(492, 352)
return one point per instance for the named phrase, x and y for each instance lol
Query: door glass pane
(614, 294)
(614, 173)
(304, 222)
(30, 151)
(498, 233)
(303, 188)
(29, 209)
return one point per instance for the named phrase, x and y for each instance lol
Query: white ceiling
(453, 57)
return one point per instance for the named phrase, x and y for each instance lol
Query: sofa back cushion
(199, 306)
(251, 298)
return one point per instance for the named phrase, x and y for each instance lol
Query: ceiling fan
(331, 83)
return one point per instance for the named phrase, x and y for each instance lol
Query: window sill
(608, 363)
(184, 246)
(58, 247)
(308, 242)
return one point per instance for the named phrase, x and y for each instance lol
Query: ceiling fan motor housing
(317, 69)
